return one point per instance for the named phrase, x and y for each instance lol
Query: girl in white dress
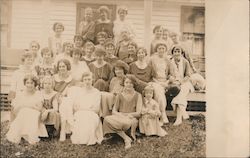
(27, 106)
(149, 123)
(85, 101)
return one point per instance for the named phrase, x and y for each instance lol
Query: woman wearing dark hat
(104, 24)
(102, 71)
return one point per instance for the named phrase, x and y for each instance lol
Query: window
(193, 30)
(81, 7)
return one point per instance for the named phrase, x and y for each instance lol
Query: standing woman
(87, 126)
(55, 42)
(104, 23)
(87, 27)
(27, 107)
(126, 112)
(123, 24)
(102, 71)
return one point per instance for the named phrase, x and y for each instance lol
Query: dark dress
(104, 27)
(101, 76)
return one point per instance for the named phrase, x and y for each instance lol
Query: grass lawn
(186, 140)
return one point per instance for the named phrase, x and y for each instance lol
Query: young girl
(89, 49)
(78, 67)
(55, 42)
(46, 67)
(132, 49)
(122, 46)
(149, 122)
(87, 27)
(125, 114)
(110, 50)
(27, 107)
(102, 71)
(157, 36)
(50, 114)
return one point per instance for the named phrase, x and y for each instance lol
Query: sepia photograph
(103, 78)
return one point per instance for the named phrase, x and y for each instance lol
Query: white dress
(78, 69)
(87, 126)
(27, 123)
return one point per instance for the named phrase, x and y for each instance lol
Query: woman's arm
(97, 103)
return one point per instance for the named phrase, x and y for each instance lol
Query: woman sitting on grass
(126, 112)
(27, 107)
(50, 113)
(85, 101)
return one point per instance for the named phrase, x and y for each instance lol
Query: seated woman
(46, 67)
(126, 112)
(27, 107)
(110, 51)
(87, 126)
(102, 71)
(182, 71)
(89, 49)
(143, 71)
(77, 67)
(50, 113)
(120, 70)
(63, 80)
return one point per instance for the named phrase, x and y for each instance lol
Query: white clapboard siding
(26, 22)
(63, 11)
(166, 14)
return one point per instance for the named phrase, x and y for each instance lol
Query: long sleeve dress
(87, 126)
(27, 123)
(149, 123)
(119, 122)
(87, 30)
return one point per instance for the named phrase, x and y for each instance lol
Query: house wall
(33, 19)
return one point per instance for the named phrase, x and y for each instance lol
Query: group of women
(99, 84)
